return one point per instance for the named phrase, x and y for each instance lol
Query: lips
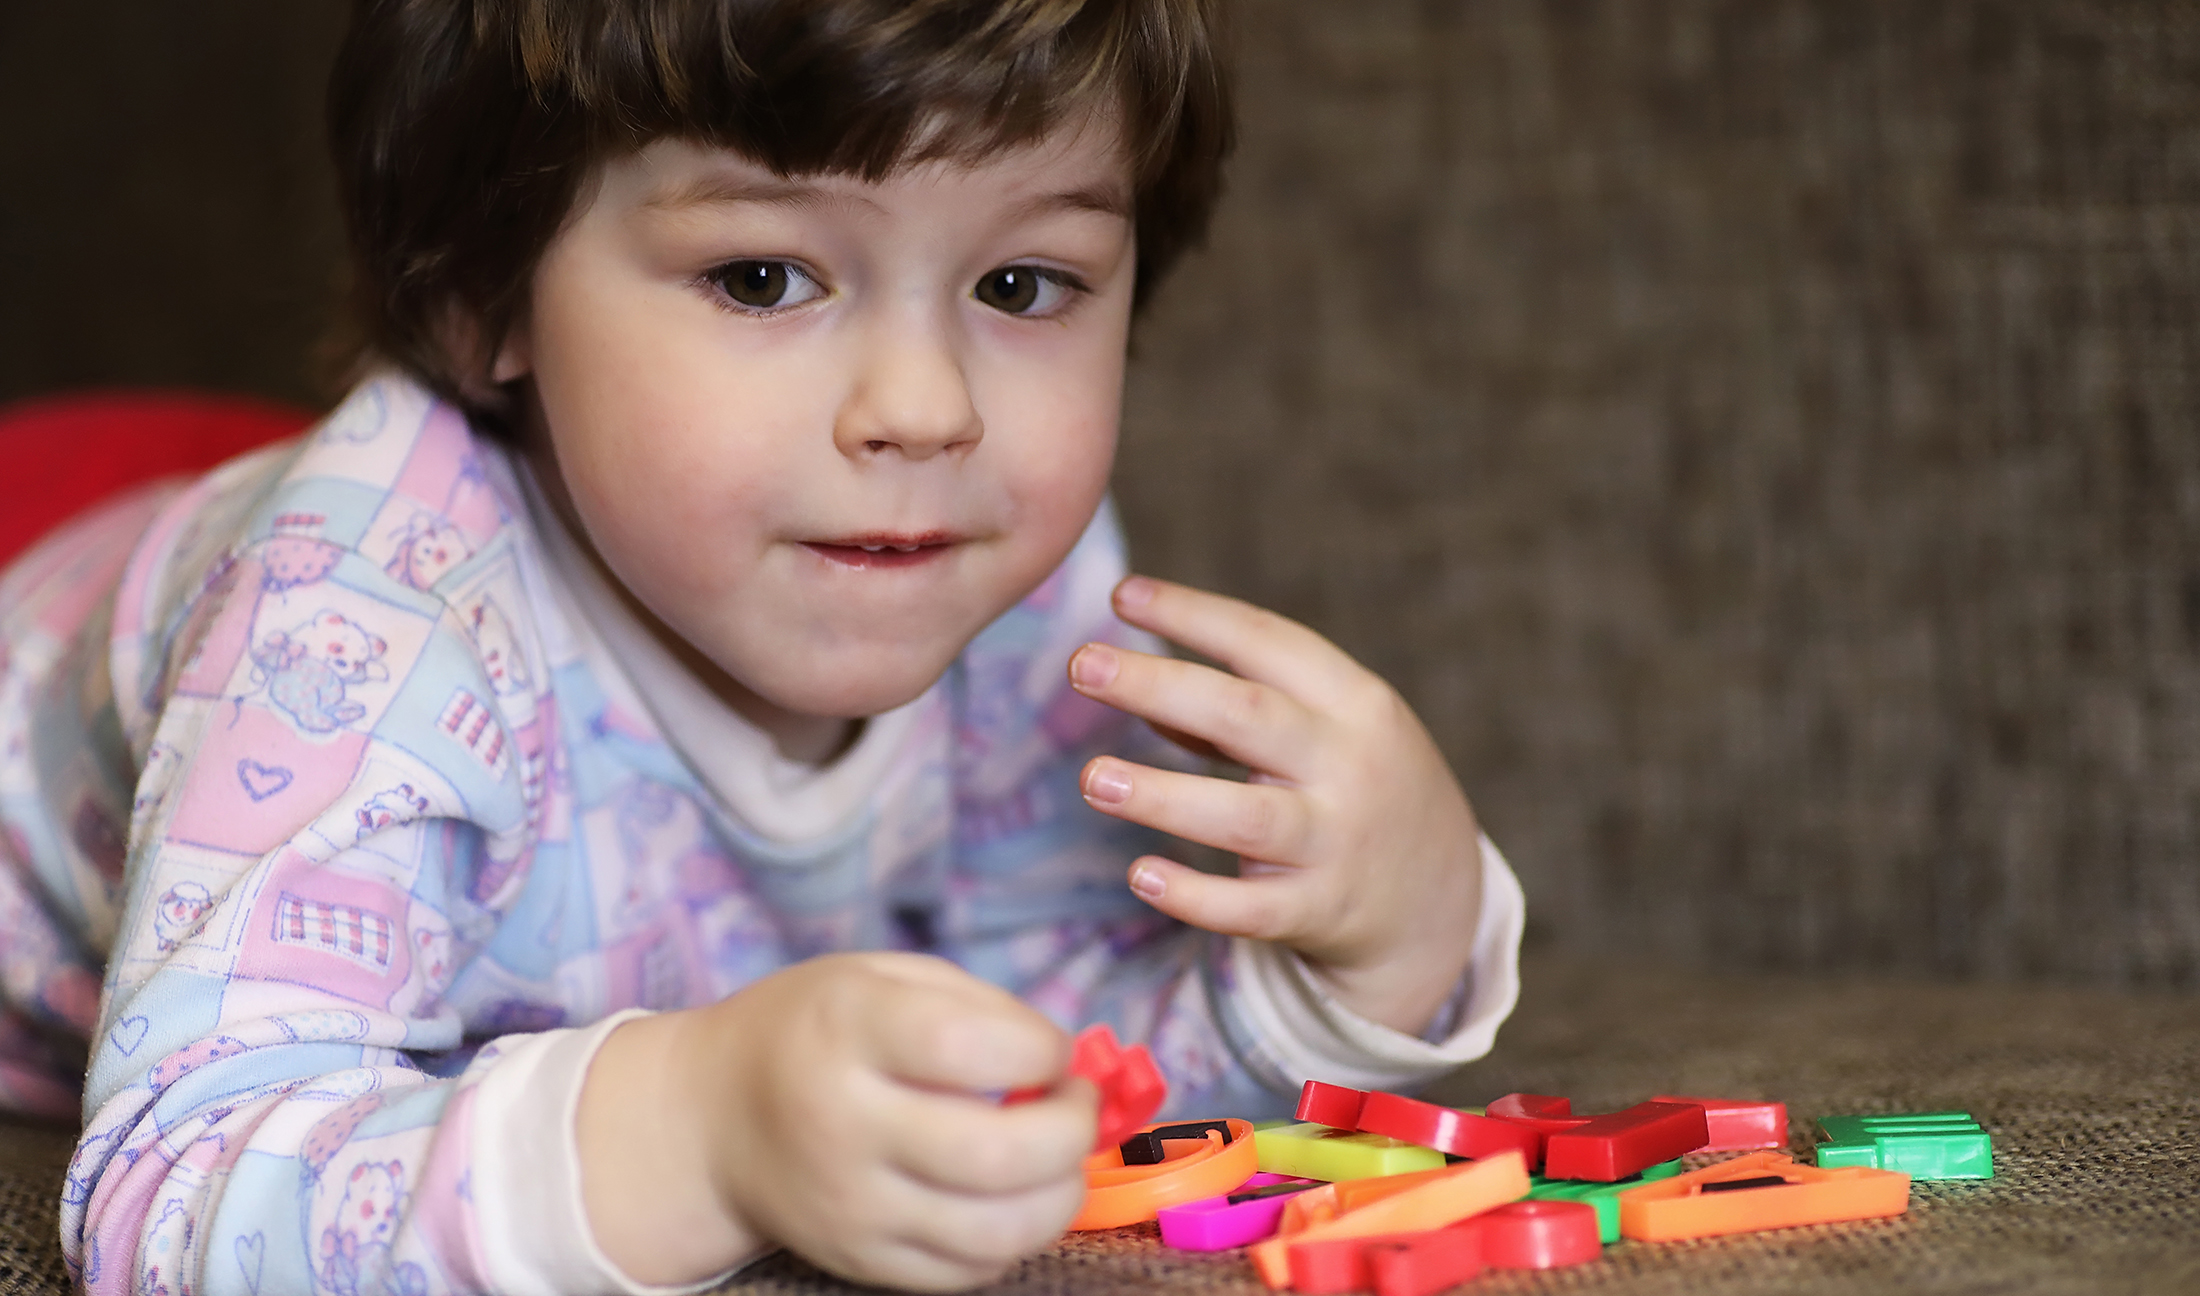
(884, 550)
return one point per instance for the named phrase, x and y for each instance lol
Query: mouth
(884, 550)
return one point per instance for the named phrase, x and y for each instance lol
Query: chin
(853, 689)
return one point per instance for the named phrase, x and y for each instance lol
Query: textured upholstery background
(1758, 434)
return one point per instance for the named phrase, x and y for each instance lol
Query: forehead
(1081, 166)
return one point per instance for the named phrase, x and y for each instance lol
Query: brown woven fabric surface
(1757, 434)
(32, 1158)
(2093, 1101)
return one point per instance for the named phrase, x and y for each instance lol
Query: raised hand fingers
(1277, 905)
(1262, 820)
(1256, 643)
(1251, 722)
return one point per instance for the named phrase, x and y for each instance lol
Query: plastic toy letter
(1922, 1145)
(1516, 1235)
(1216, 1163)
(1604, 1197)
(1344, 1264)
(1312, 1151)
(1219, 1223)
(1616, 1146)
(1131, 1086)
(1319, 1205)
(1425, 1263)
(1739, 1123)
(1331, 1105)
(1761, 1190)
(1446, 1129)
(1539, 1235)
(1471, 1188)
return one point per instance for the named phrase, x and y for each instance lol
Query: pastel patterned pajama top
(338, 823)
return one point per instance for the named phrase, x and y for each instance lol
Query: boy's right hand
(841, 1108)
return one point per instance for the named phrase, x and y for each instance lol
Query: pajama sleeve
(531, 1220)
(338, 813)
(1038, 900)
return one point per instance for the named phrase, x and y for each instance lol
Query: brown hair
(463, 129)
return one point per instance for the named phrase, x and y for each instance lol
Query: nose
(911, 396)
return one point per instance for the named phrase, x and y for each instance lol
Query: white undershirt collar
(781, 800)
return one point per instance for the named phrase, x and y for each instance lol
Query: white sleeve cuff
(1308, 1035)
(533, 1221)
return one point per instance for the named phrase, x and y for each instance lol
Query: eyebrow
(710, 190)
(1105, 199)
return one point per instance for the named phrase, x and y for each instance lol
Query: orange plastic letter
(1468, 1188)
(1726, 1198)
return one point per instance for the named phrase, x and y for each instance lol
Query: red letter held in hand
(1131, 1087)
(1610, 1148)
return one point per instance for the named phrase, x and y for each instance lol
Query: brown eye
(759, 285)
(1012, 289)
(756, 286)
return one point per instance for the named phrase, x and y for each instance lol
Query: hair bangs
(860, 89)
(464, 129)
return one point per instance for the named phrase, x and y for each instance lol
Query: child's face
(824, 429)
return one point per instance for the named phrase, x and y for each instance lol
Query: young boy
(608, 803)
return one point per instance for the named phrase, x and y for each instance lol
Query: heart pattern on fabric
(251, 1257)
(128, 1033)
(262, 781)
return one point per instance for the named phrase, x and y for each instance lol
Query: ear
(484, 366)
(515, 357)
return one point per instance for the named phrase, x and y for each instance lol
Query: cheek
(1062, 441)
(677, 517)
(671, 449)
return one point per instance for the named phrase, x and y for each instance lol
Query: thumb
(1267, 907)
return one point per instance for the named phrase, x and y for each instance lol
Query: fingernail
(1108, 783)
(1134, 592)
(1147, 881)
(1094, 666)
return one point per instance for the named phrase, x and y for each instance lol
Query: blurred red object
(59, 455)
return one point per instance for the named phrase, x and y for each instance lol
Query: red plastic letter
(1739, 1123)
(1131, 1086)
(1540, 1235)
(1542, 1114)
(1331, 1105)
(1519, 1106)
(1426, 1263)
(1459, 1133)
(1610, 1148)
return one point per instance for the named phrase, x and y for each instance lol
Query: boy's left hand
(1356, 846)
